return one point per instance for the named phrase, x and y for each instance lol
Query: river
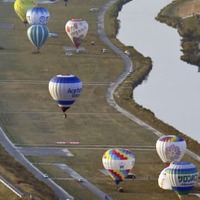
(172, 89)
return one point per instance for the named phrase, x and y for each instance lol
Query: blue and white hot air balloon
(38, 35)
(182, 177)
(37, 15)
(65, 89)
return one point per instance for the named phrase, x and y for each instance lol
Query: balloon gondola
(65, 89)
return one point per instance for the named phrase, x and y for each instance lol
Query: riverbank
(91, 121)
(184, 16)
(124, 96)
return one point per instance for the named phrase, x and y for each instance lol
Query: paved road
(82, 181)
(109, 96)
(13, 151)
(128, 68)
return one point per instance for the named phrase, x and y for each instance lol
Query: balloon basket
(120, 189)
(36, 52)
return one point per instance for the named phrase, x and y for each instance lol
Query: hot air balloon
(170, 148)
(38, 35)
(163, 180)
(21, 7)
(182, 177)
(65, 89)
(37, 15)
(77, 30)
(118, 162)
(65, 2)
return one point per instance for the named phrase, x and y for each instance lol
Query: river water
(172, 89)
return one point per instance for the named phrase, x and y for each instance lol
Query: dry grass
(30, 117)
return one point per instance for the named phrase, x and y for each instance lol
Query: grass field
(30, 117)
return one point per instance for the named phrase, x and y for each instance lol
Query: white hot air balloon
(77, 30)
(170, 148)
(163, 180)
(65, 89)
(37, 16)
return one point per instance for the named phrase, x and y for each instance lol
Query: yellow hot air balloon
(21, 7)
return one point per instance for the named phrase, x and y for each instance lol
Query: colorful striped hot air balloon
(21, 7)
(182, 177)
(170, 148)
(37, 15)
(65, 89)
(38, 35)
(77, 30)
(118, 162)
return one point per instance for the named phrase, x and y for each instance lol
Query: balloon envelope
(65, 89)
(21, 7)
(182, 176)
(38, 35)
(77, 30)
(163, 180)
(170, 148)
(118, 162)
(37, 15)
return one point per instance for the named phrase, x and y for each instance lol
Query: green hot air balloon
(38, 35)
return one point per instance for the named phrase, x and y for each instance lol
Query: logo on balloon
(188, 179)
(121, 166)
(76, 33)
(42, 18)
(75, 92)
(173, 152)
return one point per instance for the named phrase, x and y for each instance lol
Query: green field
(30, 117)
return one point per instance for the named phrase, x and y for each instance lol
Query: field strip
(50, 112)
(3, 52)
(62, 150)
(114, 146)
(37, 82)
(9, 185)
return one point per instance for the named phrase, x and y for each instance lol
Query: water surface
(172, 89)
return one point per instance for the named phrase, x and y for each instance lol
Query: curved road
(62, 194)
(128, 68)
(13, 151)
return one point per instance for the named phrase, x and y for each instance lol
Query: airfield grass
(30, 117)
(7, 194)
